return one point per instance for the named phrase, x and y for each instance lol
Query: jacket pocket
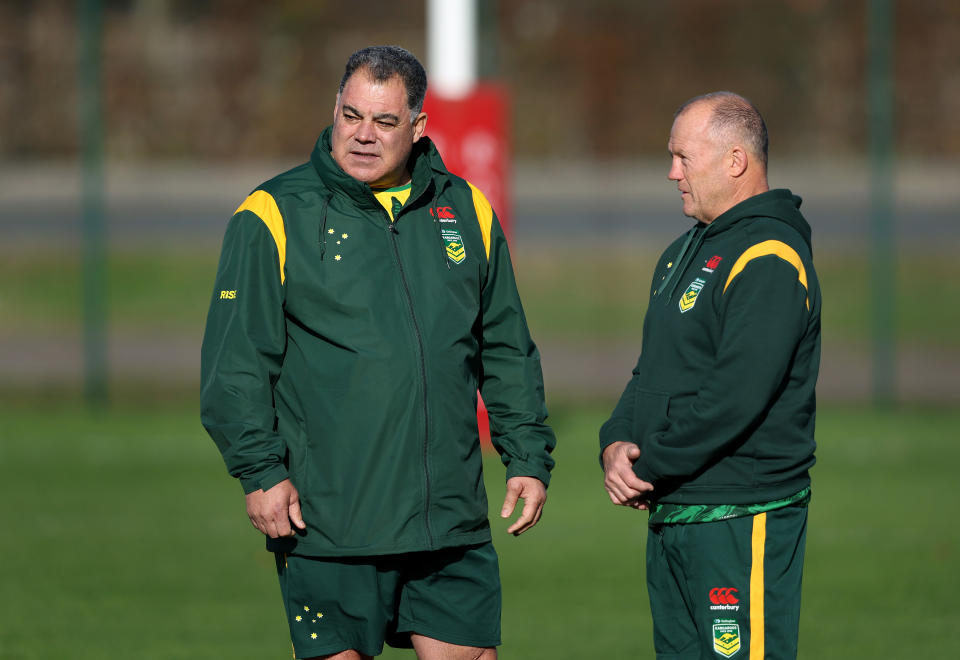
(297, 458)
(650, 414)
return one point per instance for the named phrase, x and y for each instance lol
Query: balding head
(718, 146)
(733, 119)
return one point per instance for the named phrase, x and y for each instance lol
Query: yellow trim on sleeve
(758, 546)
(767, 248)
(484, 215)
(264, 206)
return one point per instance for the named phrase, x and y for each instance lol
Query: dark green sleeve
(619, 428)
(243, 347)
(512, 382)
(763, 315)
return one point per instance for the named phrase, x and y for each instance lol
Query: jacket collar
(779, 204)
(426, 167)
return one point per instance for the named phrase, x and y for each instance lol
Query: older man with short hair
(714, 434)
(351, 326)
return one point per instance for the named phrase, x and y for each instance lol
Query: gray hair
(385, 62)
(734, 117)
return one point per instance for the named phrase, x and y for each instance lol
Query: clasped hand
(623, 486)
(276, 511)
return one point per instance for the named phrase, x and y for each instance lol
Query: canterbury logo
(443, 213)
(723, 596)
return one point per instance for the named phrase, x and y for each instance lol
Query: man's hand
(533, 493)
(273, 510)
(623, 486)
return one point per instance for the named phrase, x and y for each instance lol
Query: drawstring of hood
(323, 226)
(679, 264)
(699, 234)
(675, 264)
(434, 213)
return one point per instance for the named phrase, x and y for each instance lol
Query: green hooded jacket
(722, 400)
(345, 352)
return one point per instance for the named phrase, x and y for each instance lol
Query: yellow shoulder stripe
(767, 248)
(484, 215)
(264, 206)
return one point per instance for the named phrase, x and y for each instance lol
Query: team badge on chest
(689, 297)
(454, 244)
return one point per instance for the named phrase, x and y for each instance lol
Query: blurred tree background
(203, 99)
(231, 79)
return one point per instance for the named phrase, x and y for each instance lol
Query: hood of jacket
(779, 204)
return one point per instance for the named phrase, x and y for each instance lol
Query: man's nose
(365, 133)
(674, 173)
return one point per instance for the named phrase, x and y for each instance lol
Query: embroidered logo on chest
(712, 263)
(339, 241)
(454, 244)
(689, 297)
(443, 213)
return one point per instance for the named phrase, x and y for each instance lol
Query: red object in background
(483, 425)
(471, 134)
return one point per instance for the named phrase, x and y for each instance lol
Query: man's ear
(336, 108)
(419, 126)
(738, 161)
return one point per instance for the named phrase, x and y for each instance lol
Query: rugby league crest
(689, 297)
(726, 637)
(454, 244)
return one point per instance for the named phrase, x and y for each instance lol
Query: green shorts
(339, 603)
(729, 588)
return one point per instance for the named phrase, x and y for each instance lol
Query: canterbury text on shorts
(727, 589)
(339, 603)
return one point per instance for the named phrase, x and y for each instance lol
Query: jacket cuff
(528, 469)
(264, 480)
(613, 432)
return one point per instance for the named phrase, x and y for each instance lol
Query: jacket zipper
(423, 378)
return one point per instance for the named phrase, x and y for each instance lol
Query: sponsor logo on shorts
(726, 637)
(724, 598)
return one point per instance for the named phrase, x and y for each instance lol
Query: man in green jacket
(714, 434)
(361, 301)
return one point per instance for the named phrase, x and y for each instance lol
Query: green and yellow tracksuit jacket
(344, 351)
(722, 399)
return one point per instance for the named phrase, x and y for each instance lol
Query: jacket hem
(302, 547)
(717, 494)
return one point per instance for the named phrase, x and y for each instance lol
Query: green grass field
(124, 537)
(567, 295)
